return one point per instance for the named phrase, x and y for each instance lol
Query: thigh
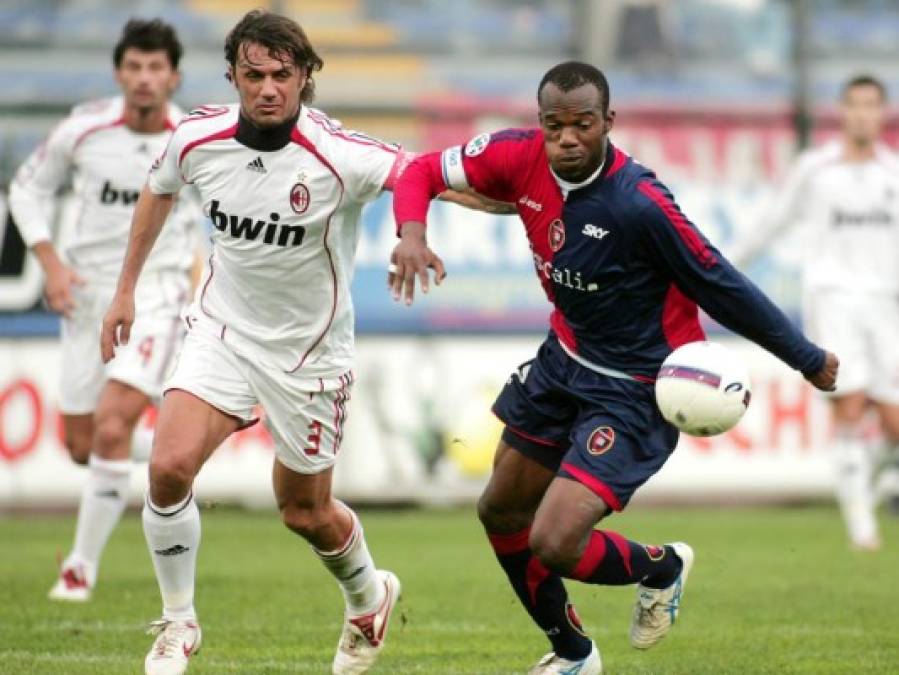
(882, 327)
(82, 373)
(306, 423)
(517, 484)
(188, 430)
(619, 443)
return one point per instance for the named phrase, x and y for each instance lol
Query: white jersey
(286, 228)
(108, 164)
(850, 215)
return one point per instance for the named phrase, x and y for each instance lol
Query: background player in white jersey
(105, 148)
(272, 323)
(846, 195)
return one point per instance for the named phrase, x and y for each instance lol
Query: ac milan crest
(556, 235)
(601, 440)
(299, 198)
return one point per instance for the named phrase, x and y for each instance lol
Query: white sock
(854, 485)
(141, 443)
(355, 571)
(102, 503)
(173, 536)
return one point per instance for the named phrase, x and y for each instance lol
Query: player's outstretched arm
(704, 275)
(412, 257)
(149, 216)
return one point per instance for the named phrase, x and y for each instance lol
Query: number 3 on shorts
(314, 439)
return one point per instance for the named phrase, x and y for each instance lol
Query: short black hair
(865, 80)
(154, 35)
(573, 74)
(280, 35)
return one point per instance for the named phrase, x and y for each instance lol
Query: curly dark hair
(154, 35)
(282, 36)
(573, 74)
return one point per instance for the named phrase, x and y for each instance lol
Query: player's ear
(609, 121)
(229, 75)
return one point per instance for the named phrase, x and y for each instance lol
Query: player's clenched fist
(826, 378)
(412, 258)
(116, 325)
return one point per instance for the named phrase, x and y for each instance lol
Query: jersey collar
(566, 186)
(265, 140)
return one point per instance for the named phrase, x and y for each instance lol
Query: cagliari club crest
(299, 198)
(556, 235)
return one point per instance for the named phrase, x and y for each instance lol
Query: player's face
(863, 111)
(269, 85)
(147, 79)
(574, 129)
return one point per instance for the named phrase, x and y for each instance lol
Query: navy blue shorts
(602, 431)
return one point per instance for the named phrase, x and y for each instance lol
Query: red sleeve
(415, 188)
(485, 164)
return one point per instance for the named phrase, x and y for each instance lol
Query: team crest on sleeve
(601, 440)
(299, 198)
(477, 145)
(556, 235)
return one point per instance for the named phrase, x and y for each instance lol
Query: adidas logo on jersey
(246, 228)
(257, 166)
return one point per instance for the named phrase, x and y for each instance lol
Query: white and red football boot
(176, 641)
(362, 638)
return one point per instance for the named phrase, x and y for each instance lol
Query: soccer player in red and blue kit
(625, 271)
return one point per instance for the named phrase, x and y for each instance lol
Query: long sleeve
(36, 183)
(704, 275)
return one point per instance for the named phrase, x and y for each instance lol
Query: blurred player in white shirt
(846, 195)
(271, 324)
(106, 147)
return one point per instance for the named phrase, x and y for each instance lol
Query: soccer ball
(703, 389)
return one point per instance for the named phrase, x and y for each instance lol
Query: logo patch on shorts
(477, 145)
(601, 440)
(299, 198)
(556, 235)
(655, 553)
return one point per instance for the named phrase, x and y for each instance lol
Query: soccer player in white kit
(106, 148)
(846, 195)
(272, 324)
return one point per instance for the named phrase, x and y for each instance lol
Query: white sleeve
(34, 187)
(366, 164)
(784, 211)
(166, 176)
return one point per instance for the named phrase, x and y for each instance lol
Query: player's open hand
(59, 290)
(826, 378)
(412, 258)
(116, 325)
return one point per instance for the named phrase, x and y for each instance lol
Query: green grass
(773, 591)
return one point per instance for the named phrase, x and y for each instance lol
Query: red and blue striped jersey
(622, 265)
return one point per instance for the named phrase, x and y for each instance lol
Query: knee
(498, 517)
(555, 548)
(309, 521)
(79, 446)
(171, 471)
(111, 434)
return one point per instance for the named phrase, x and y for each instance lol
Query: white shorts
(144, 363)
(862, 329)
(305, 417)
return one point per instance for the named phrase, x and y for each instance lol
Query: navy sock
(542, 593)
(612, 560)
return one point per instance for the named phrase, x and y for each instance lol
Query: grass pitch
(773, 591)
